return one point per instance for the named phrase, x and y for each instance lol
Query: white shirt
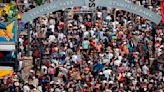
(107, 72)
(51, 38)
(55, 62)
(21, 41)
(74, 58)
(101, 34)
(52, 28)
(20, 65)
(86, 33)
(26, 88)
(117, 62)
(99, 14)
(61, 36)
(109, 56)
(114, 25)
(92, 32)
(42, 69)
(108, 18)
(26, 1)
(39, 89)
(145, 69)
(117, 52)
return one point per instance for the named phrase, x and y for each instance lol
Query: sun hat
(110, 82)
(16, 83)
(15, 78)
(52, 82)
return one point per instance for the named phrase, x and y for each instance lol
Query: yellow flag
(7, 8)
(5, 72)
(1, 12)
(7, 33)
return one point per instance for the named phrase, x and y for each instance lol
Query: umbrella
(2, 26)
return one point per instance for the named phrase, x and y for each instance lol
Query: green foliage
(38, 2)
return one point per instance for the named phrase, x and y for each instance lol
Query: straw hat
(131, 78)
(110, 82)
(100, 73)
(85, 85)
(52, 65)
(16, 84)
(15, 78)
(105, 61)
(52, 82)
(111, 51)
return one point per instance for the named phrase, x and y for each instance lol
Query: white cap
(100, 73)
(31, 71)
(85, 85)
(124, 43)
(16, 83)
(52, 82)
(110, 82)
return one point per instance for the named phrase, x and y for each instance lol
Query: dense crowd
(80, 52)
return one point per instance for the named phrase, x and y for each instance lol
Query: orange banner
(162, 10)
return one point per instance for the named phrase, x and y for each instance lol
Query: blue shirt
(85, 44)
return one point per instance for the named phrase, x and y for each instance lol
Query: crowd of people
(111, 50)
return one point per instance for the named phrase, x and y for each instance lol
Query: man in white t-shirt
(108, 18)
(44, 69)
(99, 14)
(107, 73)
(117, 62)
(61, 36)
(92, 32)
(52, 27)
(86, 34)
(52, 38)
(145, 69)
(20, 65)
(115, 23)
(109, 55)
(26, 88)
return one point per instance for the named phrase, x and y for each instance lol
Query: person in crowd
(109, 53)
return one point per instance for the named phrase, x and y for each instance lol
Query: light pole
(28, 45)
(153, 35)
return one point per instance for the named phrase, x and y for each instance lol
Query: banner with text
(63, 4)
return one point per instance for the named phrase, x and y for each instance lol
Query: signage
(8, 35)
(91, 4)
(7, 47)
(139, 10)
(50, 7)
(62, 4)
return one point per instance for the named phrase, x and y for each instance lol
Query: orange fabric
(125, 49)
(99, 48)
(5, 72)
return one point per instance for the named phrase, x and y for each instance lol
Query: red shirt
(1, 55)
(92, 44)
(88, 24)
(25, 43)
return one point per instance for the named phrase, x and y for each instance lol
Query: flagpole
(17, 47)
